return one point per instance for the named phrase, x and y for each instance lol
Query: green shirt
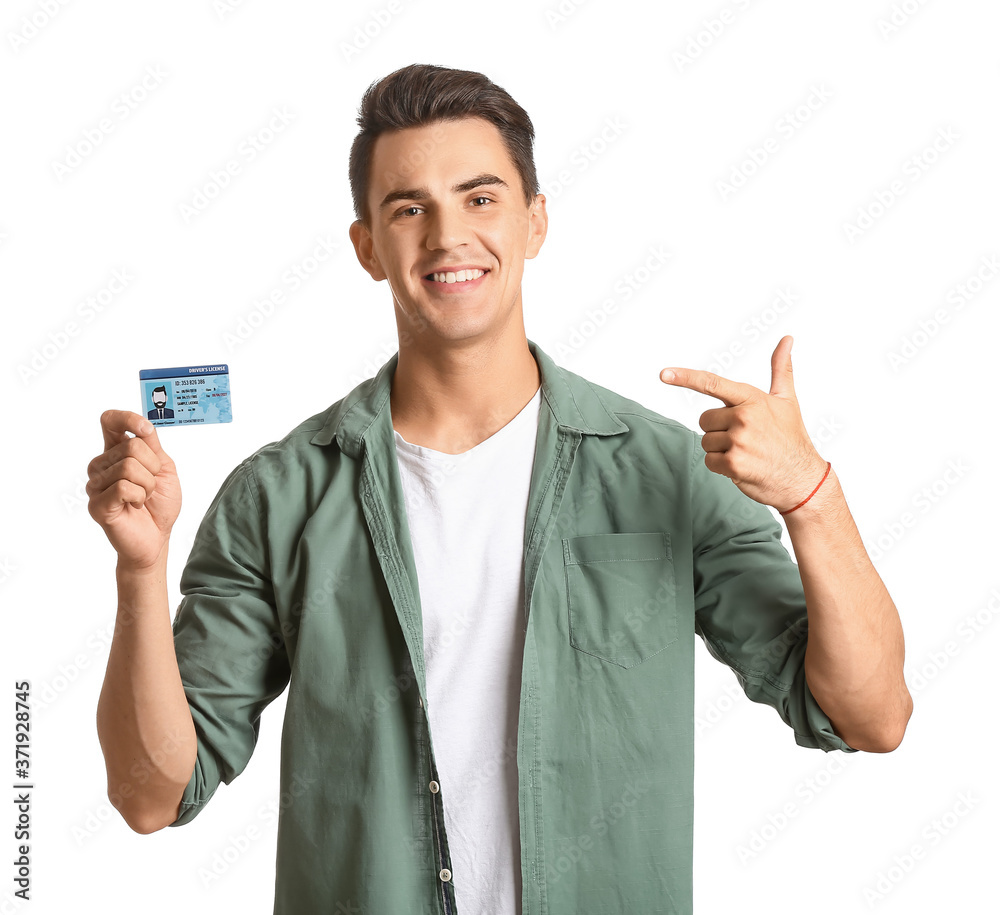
(302, 576)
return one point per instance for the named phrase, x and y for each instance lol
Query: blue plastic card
(186, 396)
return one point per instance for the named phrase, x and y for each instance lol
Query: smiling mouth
(454, 279)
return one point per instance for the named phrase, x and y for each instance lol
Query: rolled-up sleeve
(750, 608)
(228, 641)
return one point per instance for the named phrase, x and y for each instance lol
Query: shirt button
(445, 874)
(435, 788)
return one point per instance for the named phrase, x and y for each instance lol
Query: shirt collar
(575, 403)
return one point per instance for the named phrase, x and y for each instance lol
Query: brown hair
(422, 93)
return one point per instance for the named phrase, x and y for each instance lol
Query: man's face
(159, 399)
(444, 196)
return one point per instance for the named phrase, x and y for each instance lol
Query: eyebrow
(421, 193)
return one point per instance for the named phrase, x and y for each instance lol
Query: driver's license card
(186, 396)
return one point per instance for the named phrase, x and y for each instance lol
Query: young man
(479, 575)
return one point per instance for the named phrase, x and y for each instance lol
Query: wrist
(826, 502)
(154, 569)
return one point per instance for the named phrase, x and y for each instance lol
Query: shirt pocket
(621, 595)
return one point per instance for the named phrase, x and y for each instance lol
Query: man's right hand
(134, 491)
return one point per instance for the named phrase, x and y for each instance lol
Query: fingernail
(145, 428)
(667, 375)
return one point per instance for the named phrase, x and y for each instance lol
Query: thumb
(781, 368)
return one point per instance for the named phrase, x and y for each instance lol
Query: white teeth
(461, 276)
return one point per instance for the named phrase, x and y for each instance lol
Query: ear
(538, 226)
(364, 248)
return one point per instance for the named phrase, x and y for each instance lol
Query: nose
(446, 229)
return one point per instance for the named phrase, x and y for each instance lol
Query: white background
(891, 429)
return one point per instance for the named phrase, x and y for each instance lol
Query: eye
(487, 199)
(405, 211)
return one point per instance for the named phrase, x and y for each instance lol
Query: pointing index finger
(729, 392)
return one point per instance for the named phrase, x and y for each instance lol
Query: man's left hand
(758, 439)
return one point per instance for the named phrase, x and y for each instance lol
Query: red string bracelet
(807, 498)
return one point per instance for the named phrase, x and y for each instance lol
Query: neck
(451, 399)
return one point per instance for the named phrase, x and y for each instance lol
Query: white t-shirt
(466, 514)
